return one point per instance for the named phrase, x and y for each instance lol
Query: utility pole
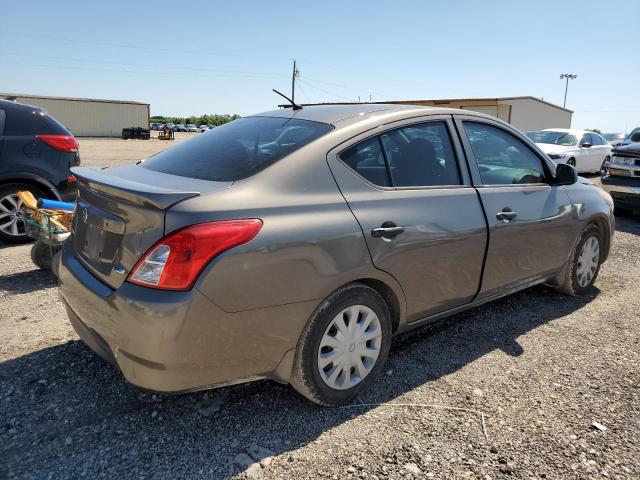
(296, 73)
(568, 76)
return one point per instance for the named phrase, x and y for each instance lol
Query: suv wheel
(583, 267)
(12, 227)
(343, 347)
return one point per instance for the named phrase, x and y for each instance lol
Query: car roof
(573, 131)
(343, 115)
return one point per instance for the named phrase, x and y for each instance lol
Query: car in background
(587, 151)
(621, 177)
(179, 128)
(614, 138)
(191, 128)
(531, 133)
(36, 154)
(294, 244)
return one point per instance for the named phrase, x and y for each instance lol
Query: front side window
(586, 138)
(502, 159)
(419, 155)
(238, 149)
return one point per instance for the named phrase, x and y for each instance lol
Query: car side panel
(309, 245)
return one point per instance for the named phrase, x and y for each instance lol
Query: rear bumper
(623, 190)
(176, 341)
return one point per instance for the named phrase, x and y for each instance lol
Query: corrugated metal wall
(86, 118)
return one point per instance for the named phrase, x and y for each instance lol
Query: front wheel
(583, 267)
(572, 162)
(603, 167)
(343, 347)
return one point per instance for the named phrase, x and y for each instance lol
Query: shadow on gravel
(66, 413)
(628, 223)
(27, 282)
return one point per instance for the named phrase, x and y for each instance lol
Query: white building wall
(530, 114)
(89, 118)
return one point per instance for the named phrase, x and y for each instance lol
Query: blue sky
(225, 57)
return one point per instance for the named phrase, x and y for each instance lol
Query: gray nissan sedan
(294, 244)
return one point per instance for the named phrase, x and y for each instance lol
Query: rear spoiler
(137, 185)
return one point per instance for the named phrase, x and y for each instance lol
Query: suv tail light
(62, 143)
(175, 262)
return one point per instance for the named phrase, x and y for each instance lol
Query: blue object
(56, 205)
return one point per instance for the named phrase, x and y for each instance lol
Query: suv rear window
(238, 149)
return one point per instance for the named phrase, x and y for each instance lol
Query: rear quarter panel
(310, 243)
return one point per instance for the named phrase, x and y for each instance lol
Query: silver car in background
(294, 244)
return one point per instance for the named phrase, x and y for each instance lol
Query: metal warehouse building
(86, 117)
(524, 113)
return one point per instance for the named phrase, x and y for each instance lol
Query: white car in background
(586, 151)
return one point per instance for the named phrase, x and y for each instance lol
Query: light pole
(568, 76)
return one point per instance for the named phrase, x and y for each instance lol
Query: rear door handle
(386, 232)
(506, 215)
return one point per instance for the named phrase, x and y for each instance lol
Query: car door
(529, 217)
(588, 155)
(603, 147)
(421, 217)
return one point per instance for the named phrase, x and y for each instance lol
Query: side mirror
(585, 145)
(566, 174)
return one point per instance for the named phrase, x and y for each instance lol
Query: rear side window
(238, 149)
(366, 159)
(502, 159)
(419, 155)
(27, 122)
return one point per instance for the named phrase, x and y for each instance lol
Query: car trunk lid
(120, 214)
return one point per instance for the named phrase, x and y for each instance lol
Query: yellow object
(28, 199)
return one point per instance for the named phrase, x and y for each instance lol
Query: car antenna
(294, 104)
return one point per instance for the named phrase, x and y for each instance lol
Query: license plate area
(97, 236)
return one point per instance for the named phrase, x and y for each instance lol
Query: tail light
(62, 143)
(175, 262)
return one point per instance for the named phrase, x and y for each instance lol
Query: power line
(139, 72)
(138, 47)
(325, 91)
(106, 62)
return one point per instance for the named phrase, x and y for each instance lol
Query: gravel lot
(507, 390)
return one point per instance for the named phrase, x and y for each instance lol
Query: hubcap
(11, 221)
(588, 261)
(349, 347)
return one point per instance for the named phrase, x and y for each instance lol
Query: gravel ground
(507, 390)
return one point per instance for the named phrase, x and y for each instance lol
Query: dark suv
(36, 153)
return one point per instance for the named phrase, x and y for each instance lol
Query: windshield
(237, 149)
(556, 138)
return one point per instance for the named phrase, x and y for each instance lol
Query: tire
(313, 382)
(11, 225)
(572, 162)
(42, 255)
(573, 280)
(602, 167)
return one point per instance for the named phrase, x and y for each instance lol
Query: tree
(594, 130)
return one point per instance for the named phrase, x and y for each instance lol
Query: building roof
(71, 99)
(440, 101)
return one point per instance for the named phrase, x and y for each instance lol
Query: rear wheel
(583, 267)
(12, 227)
(343, 347)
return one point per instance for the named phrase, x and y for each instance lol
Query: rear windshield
(238, 149)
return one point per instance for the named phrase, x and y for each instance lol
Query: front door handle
(506, 215)
(388, 229)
